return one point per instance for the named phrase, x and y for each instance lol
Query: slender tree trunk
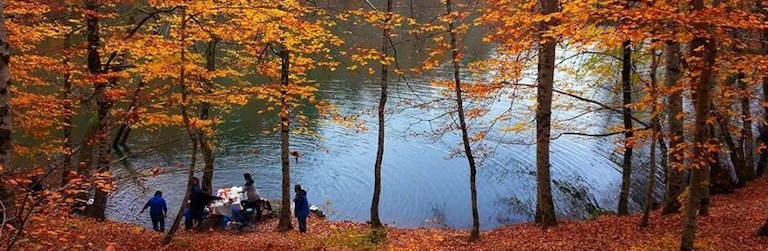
(763, 159)
(626, 165)
(205, 107)
(703, 50)
(190, 132)
(747, 173)
(285, 123)
(709, 57)
(736, 147)
(651, 182)
(119, 135)
(545, 208)
(456, 60)
(656, 134)
(103, 102)
(719, 176)
(6, 196)
(125, 129)
(375, 221)
(664, 157)
(674, 179)
(66, 96)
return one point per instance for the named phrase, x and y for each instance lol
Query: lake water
(422, 185)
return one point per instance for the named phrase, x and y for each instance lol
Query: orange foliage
(730, 226)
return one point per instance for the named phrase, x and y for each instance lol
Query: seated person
(253, 198)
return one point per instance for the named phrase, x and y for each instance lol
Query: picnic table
(232, 196)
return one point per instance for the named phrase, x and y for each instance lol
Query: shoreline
(731, 225)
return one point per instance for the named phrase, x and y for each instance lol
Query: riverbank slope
(731, 225)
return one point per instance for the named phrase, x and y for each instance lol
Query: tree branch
(581, 99)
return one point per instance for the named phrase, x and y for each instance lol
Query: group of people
(252, 205)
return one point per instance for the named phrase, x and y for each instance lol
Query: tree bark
(747, 173)
(103, 103)
(674, 179)
(763, 159)
(455, 60)
(763, 231)
(125, 129)
(285, 213)
(6, 196)
(626, 166)
(703, 50)
(66, 96)
(655, 135)
(719, 176)
(190, 132)
(375, 221)
(205, 107)
(545, 208)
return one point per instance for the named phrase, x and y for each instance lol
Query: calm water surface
(422, 184)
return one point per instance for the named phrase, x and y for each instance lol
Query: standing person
(301, 207)
(253, 198)
(157, 211)
(197, 203)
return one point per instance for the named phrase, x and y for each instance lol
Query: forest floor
(731, 225)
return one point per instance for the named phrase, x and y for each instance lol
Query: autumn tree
(384, 61)
(101, 151)
(297, 39)
(205, 114)
(703, 59)
(191, 131)
(655, 136)
(674, 182)
(455, 62)
(545, 209)
(6, 197)
(626, 89)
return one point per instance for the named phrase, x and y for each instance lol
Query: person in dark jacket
(301, 207)
(157, 211)
(198, 200)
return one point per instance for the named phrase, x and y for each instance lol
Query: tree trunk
(703, 50)
(205, 107)
(763, 231)
(626, 165)
(190, 132)
(763, 159)
(651, 182)
(66, 96)
(285, 213)
(674, 178)
(125, 129)
(119, 135)
(664, 157)
(747, 173)
(455, 60)
(655, 135)
(545, 208)
(6, 196)
(720, 177)
(100, 147)
(375, 221)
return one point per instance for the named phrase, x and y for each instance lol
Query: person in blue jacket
(157, 211)
(301, 207)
